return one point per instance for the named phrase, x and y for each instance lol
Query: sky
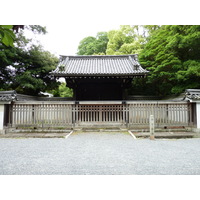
(66, 41)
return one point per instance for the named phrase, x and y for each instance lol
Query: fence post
(151, 127)
(198, 115)
(2, 109)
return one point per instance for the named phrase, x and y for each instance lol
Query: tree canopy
(126, 40)
(25, 67)
(93, 45)
(171, 55)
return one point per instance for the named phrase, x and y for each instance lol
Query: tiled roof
(192, 94)
(8, 95)
(99, 66)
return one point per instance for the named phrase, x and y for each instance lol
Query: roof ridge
(98, 56)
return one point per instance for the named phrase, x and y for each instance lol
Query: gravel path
(99, 154)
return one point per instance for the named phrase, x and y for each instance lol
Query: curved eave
(99, 75)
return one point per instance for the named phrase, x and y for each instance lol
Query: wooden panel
(41, 115)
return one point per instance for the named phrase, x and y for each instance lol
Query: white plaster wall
(198, 114)
(1, 116)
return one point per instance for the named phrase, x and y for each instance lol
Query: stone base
(152, 137)
(196, 130)
(3, 132)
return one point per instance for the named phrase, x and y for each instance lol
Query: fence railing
(130, 113)
(171, 113)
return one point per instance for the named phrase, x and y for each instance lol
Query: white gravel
(99, 154)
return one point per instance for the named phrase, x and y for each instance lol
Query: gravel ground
(99, 154)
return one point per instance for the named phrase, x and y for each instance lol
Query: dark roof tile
(99, 65)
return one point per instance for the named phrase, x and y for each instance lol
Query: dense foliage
(126, 40)
(172, 57)
(62, 91)
(26, 67)
(93, 45)
(169, 52)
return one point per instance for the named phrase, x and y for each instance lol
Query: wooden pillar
(2, 109)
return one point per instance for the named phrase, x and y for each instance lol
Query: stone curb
(65, 135)
(168, 135)
(34, 135)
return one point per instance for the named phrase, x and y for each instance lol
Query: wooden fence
(73, 114)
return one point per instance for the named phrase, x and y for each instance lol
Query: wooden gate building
(99, 77)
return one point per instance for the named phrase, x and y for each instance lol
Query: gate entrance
(101, 115)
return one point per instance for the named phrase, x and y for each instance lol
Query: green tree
(87, 46)
(93, 45)
(26, 67)
(171, 55)
(126, 40)
(32, 73)
(8, 56)
(62, 91)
